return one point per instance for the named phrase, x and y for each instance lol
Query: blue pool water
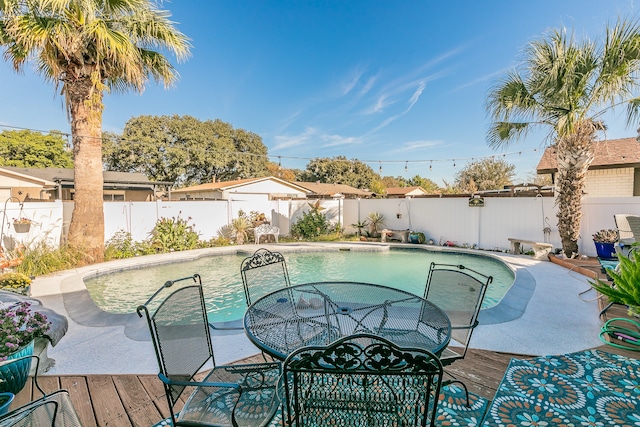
(406, 269)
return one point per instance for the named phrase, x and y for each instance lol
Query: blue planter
(605, 250)
(5, 401)
(14, 375)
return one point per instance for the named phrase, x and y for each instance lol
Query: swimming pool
(406, 269)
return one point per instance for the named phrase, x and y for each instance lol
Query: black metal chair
(459, 292)
(54, 409)
(361, 380)
(228, 395)
(263, 272)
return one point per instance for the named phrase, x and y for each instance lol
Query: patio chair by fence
(263, 272)
(54, 409)
(459, 291)
(181, 338)
(628, 227)
(361, 380)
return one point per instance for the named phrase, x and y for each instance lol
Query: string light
(280, 157)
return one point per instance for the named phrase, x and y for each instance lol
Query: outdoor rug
(452, 410)
(589, 388)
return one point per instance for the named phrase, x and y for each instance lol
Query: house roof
(608, 154)
(65, 176)
(229, 185)
(325, 189)
(5, 170)
(403, 191)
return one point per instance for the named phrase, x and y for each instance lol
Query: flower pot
(605, 250)
(13, 376)
(21, 227)
(5, 401)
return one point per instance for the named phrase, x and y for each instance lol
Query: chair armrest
(168, 381)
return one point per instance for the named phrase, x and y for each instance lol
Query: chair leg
(456, 380)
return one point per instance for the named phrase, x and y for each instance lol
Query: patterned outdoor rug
(452, 410)
(590, 388)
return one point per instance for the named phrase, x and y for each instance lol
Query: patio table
(319, 313)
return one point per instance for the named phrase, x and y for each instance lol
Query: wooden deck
(138, 400)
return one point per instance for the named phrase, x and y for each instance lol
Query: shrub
(310, 225)
(15, 282)
(122, 245)
(173, 234)
(43, 259)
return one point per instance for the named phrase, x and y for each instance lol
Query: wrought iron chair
(263, 272)
(228, 395)
(54, 409)
(361, 380)
(459, 292)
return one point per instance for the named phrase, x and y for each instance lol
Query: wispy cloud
(353, 80)
(417, 146)
(479, 80)
(313, 135)
(412, 101)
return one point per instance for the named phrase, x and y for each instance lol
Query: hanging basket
(14, 375)
(22, 227)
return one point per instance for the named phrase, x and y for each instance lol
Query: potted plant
(626, 279)
(15, 282)
(5, 401)
(376, 221)
(19, 327)
(240, 226)
(360, 225)
(605, 240)
(21, 225)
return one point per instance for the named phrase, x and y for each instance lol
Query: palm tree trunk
(574, 156)
(86, 231)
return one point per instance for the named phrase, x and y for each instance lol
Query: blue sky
(392, 83)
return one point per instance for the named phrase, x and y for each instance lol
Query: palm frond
(503, 133)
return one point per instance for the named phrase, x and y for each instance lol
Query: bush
(311, 225)
(173, 234)
(43, 259)
(122, 245)
(15, 282)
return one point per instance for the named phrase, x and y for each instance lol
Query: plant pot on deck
(605, 250)
(5, 401)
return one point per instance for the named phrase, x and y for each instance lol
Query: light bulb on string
(380, 167)
(430, 165)
(406, 166)
(279, 163)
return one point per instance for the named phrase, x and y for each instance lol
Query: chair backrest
(179, 331)
(459, 292)
(263, 272)
(55, 410)
(628, 226)
(362, 380)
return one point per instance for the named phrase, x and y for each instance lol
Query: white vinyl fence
(441, 219)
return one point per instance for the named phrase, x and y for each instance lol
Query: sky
(399, 85)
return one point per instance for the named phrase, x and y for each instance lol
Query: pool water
(406, 269)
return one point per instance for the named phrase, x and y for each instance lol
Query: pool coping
(82, 310)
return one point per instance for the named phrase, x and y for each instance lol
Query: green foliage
(485, 174)
(427, 185)
(240, 227)
(627, 282)
(121, 245)
(376, 221)
(27, 149)
(173, 234)
(15, 282)
(43, 259)
(311, 225)
(340, 170)
(360, 225)
(185, 150)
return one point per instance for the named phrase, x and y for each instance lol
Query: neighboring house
(57, 184)
(329, 191)
(401, 192)
(615, 170)
(267, 188)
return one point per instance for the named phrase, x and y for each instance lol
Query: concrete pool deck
(541, 314)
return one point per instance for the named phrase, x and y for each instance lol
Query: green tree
(485, 174)
(389, 181)
(340, 170)
(427, 185)
(185, 150)
(565, 85)
(27, 149)
(87, 48)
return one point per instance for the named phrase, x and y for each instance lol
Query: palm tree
(566, 86)
(87, 47)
